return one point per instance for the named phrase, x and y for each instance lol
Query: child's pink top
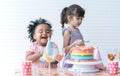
(34, 47)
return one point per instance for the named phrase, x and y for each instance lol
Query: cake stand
(83, 67)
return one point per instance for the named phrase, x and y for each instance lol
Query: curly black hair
(33, 24)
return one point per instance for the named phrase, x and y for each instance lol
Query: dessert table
(54, 72)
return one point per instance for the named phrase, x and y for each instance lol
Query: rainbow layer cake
(82, 53)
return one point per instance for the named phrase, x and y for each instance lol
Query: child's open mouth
(43, 37)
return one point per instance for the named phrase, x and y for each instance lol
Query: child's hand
(41, 53)
(78, 43)
(29, 53)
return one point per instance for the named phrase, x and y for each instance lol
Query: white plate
(84, 71)
(83, 67)
(83, 63)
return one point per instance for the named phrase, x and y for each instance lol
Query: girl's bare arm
(31, 56)
(66, 40)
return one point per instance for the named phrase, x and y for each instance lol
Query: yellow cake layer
(81, 53)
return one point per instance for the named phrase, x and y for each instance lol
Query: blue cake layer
(81, 57)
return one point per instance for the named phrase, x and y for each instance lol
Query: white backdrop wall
(101, 26)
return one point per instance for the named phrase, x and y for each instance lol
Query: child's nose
(44, 32)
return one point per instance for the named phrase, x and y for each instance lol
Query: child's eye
(47, 31)
(79, 18)
(40, 31)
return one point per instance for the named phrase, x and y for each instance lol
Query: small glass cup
(49, 60)
(111, 56)
(59, 57)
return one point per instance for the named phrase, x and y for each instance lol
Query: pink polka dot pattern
(113, 67)
(27, 67)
